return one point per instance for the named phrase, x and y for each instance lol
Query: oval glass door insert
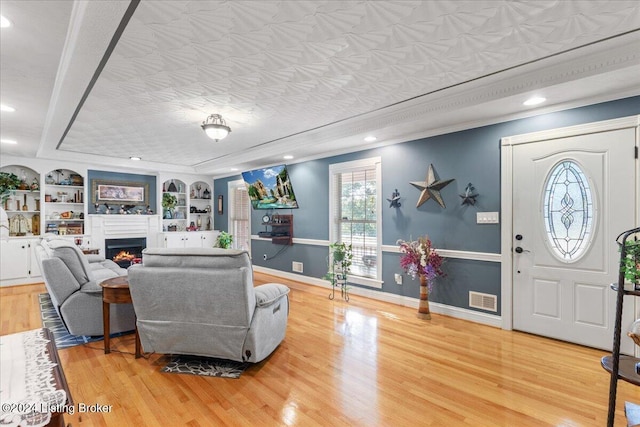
(568, 211)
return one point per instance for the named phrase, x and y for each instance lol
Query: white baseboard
(23, 281)
(447, 310)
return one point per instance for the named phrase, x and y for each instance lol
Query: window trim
(352, 166)
(231, 188)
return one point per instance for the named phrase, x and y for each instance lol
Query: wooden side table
(115, 291)
(90, 251)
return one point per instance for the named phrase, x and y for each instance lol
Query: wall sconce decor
(220, 204)
(468, 198)
(394, 201)
(431, 187)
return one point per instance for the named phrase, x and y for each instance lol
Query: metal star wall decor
(394, 201)
(431, 187)
(468, 198)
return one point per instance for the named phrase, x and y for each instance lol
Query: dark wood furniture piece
(91, 251)
(59, 379)
(115, 291)
(281, 232)
(620, 366)
(57, 418)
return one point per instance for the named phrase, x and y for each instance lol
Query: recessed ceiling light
(288, 157)
(233, 169)
(8, 141)
(370, 138)
(135, 158)
(534, 100)
(7, 108)
(4, 22)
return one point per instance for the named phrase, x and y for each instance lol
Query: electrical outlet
(264, 257)
(297, 267)
(398, 278)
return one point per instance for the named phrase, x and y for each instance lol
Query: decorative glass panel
(568, 210)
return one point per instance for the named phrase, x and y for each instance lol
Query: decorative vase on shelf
(423, 305)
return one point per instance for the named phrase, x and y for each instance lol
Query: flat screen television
(270, 188)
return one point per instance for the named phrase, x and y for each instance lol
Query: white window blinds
(239, 215)
(355, 215)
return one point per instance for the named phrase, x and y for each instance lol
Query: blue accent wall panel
(220, 188)
(468, 156)
(313, 258)
(124, 177)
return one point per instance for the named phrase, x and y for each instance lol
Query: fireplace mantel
(117, 226)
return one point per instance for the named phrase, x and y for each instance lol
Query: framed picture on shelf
(119, 192)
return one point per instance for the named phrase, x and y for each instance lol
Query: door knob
(519, 249)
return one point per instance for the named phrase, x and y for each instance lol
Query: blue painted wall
(123, 177)
(471, 155)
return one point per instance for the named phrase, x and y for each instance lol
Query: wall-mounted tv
(270, 188)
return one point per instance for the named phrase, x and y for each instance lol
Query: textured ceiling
(280, 72)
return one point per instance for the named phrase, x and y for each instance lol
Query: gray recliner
(201, 301)
(73, 282)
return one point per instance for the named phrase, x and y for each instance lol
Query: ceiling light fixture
(215, 127)
(287, 157)
(4, 22)
(136, 158)
(8, 141)
(7, 108)
(370, 138)
(534, 100)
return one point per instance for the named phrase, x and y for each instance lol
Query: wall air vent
(483, 301)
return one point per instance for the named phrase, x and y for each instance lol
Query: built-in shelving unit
(175, 219)
(64, 201)
(200, 208)
(23, 205)
(193, 211)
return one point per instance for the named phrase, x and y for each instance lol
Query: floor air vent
(483, 301)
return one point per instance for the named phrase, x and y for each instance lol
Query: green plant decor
(8, 182)
(340, 260)
(224, 240)
(169, 201)
(630, 265)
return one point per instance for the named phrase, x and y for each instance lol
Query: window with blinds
(355, 216)
(239, 216)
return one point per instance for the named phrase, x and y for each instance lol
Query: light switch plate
(488, 217)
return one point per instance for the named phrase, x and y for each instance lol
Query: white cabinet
(204, 239)
(208, 239)
(18, 264)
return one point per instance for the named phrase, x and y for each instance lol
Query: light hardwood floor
(362, 363)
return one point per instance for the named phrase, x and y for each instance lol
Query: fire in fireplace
(125, 252)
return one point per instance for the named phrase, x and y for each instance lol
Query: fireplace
(125, 252)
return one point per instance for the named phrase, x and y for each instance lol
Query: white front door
(572, 196)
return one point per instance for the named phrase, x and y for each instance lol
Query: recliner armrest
(269, 293)
(91, 287)
(94, 258)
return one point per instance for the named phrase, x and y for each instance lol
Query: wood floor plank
(362, 363)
